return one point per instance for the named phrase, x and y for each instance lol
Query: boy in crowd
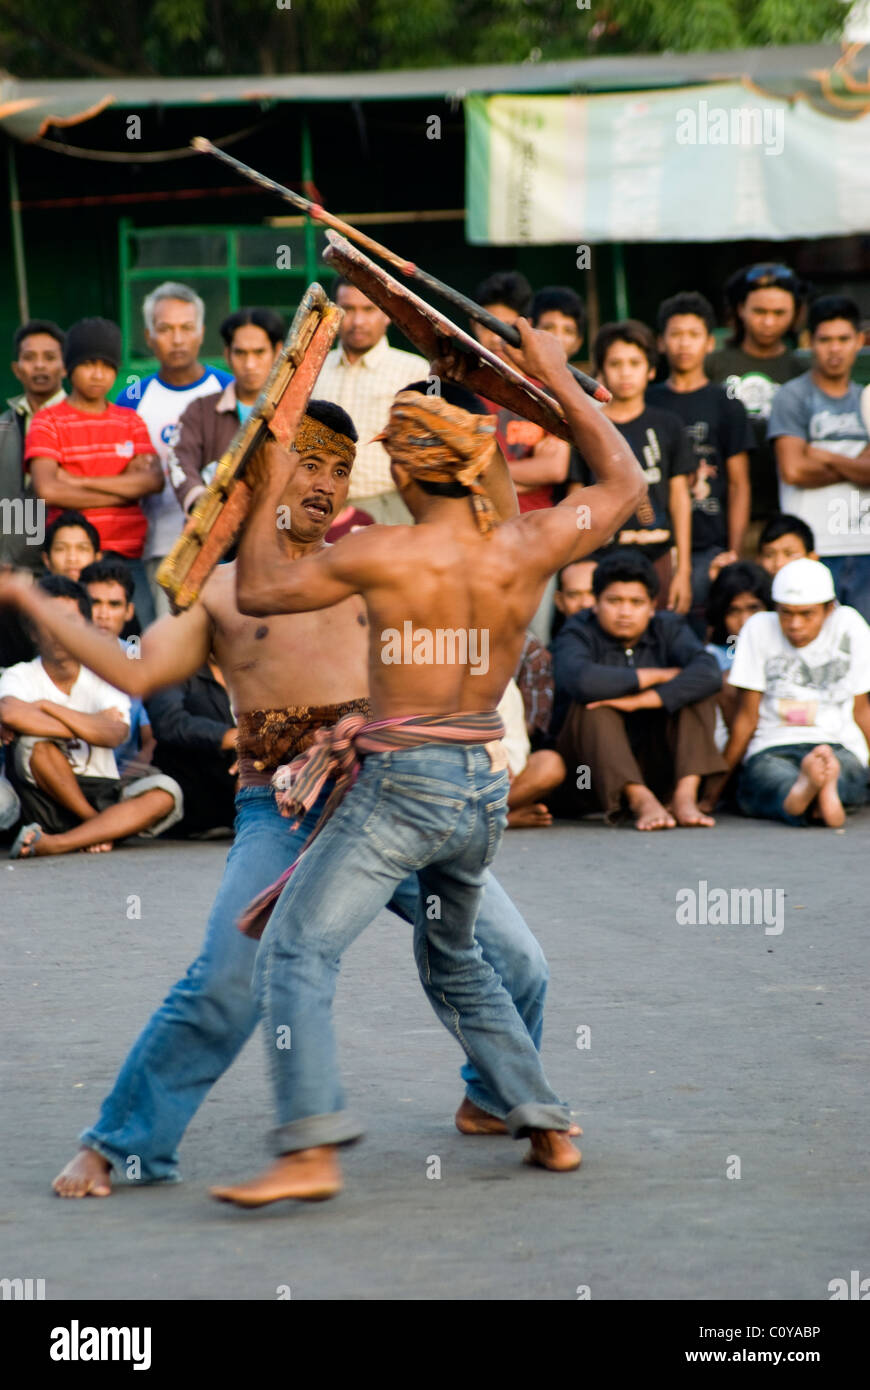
(71, 544)
(823, 449)
(174, 330)
(559, 310)
(641, 694)
(783, 539)
(765, 302)
(110, 589)
(97, 457)
(252, 339)
(625, 359)
(66, 722)
(38, 365)
(718, 430)
(803, 720)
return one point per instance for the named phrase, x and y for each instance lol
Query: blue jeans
(851, 580)
(438, 811)
(209, 1015)
(767, 778)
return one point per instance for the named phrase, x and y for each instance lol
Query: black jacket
(188, 721)
(589, 664)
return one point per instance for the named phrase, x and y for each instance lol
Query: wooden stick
(505, 331)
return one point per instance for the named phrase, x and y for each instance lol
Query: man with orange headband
(448, 603)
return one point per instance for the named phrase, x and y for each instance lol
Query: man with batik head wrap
(448, 602)
(288, 678)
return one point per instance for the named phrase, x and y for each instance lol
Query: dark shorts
(36, 805)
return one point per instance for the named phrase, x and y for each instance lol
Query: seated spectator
(559, 310)
(625, 360)
(110, 587)
(640, 691)
(802, 724)
(10, 806)
(95, 456)
(532, 775)
(71, 543)
(66, 722)
(573, 591)
(737, 593)
(196, 746)
(783, 539)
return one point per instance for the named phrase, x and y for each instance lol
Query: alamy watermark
(737, 125)
(737, 907)
(440, 646)
(23, 516)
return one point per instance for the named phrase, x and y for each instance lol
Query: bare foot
(99, 849)
(552, 1149)
(648, 811)
(530, 816)
(470, 1119)
(811, 779)
(86, 1175)
(688, 812)
(829, 803)
(310, 1175)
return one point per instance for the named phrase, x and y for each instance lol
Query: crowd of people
(718, 654)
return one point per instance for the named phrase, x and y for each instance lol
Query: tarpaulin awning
(832, 77)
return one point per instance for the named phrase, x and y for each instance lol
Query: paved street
(712, 1049)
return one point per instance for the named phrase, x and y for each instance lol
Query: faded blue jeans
(767, 778)
(439, 812)
(208, 1016)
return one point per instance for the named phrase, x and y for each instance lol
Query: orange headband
(312, 436)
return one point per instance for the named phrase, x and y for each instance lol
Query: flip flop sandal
(17, 850)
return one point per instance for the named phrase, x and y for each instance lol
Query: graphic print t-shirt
(808, 692)
(755, 381)
(718, 428)
(660, 444)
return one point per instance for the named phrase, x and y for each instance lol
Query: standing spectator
(363, 375)
(507, 295)
(95, 456)
(66, 722)
(252, 338)
(765, 301)
(719, 432)
(559, 310)
(110, 588)
(174, 329)
(196, 746)
(625, 360)
(823, 449)
(38, 365)
(641, 709)
(803, 717)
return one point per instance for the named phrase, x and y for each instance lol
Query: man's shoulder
(584, 625)
(21, 672)
(799, 388)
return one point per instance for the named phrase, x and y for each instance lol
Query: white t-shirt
(808, 692)
(161, 407)
(516, 738)
(30, 681)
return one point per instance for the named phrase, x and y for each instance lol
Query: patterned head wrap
(440, 443)
(312, 435)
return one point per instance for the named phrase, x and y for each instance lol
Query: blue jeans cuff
(119, 1163)
(313, 1130)
(535, 1115)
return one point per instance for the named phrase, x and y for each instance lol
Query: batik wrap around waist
(335, 754)
(270, 737)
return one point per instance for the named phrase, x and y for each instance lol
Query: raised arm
(587, 519)
(268, 579)
(171, 649)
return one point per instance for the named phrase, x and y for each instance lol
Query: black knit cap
(90, 339)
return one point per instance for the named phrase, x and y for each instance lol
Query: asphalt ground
(722, 1092)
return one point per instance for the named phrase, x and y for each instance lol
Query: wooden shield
(219, 514)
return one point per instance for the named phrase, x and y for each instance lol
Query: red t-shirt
(95, 446)
(517, 438)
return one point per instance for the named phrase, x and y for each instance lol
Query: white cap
(803, 581)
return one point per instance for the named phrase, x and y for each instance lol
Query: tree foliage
(212, 37)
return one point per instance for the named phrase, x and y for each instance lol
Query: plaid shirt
(365, 389)
(535, 680)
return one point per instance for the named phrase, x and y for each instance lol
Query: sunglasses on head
(761, 276)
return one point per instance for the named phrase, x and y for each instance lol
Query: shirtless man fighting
(431, 795)
(287, 677)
